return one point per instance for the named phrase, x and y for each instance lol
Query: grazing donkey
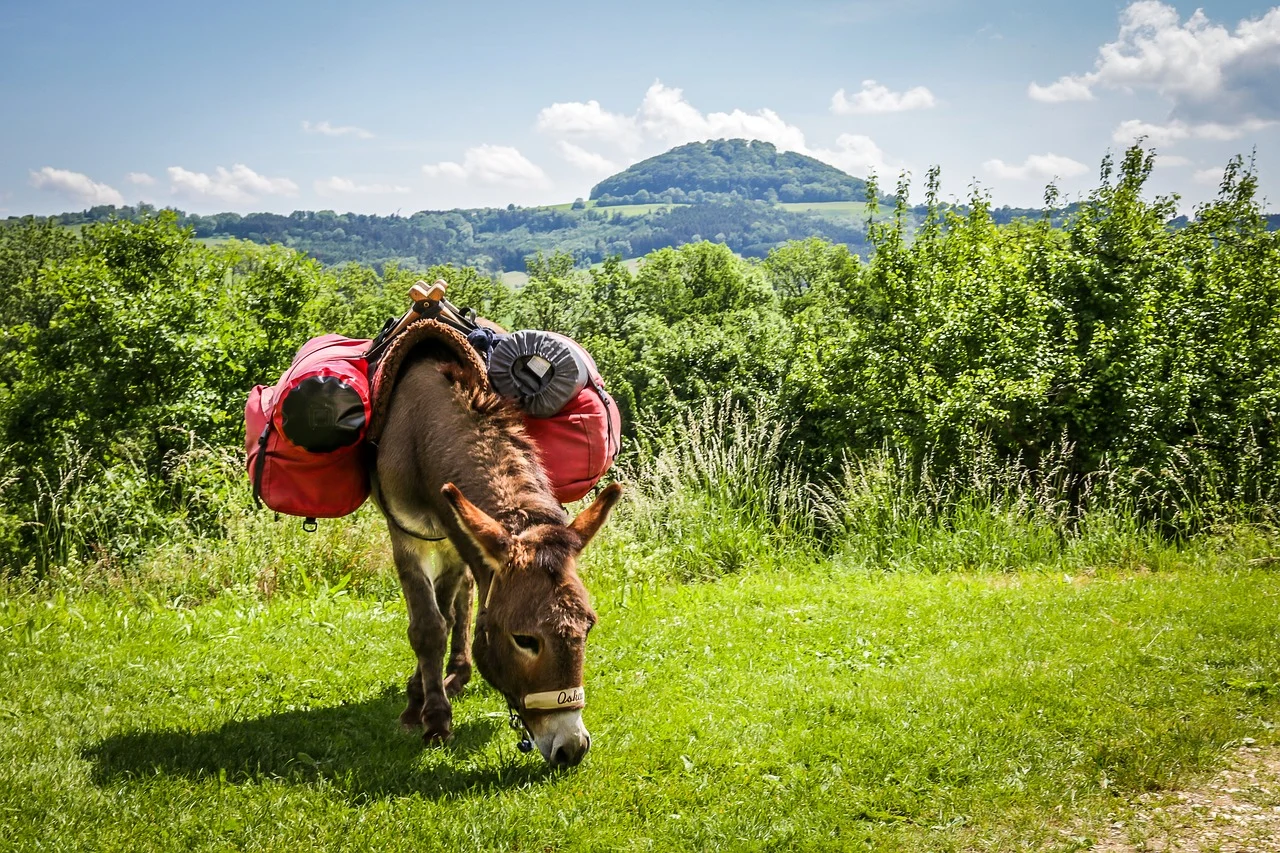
(468, 505)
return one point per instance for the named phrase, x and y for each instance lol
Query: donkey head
(531, 631)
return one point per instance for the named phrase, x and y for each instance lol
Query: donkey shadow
(356, 748)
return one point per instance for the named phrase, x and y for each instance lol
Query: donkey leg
(458, 670)
(411, 717)
(428, 637)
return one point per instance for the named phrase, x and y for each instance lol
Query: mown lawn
(814, 710)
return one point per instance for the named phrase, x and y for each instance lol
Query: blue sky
(386, 106)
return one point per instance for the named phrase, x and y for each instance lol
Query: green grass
(624, 209)
(836, 209)
(800, 708)
(634, 209)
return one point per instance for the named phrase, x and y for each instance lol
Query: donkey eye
(526, 642)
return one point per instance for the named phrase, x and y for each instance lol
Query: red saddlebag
(579, 443)
(304, 436)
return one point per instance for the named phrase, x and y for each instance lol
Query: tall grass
(190, 534)
(708, 496)
(714, 492)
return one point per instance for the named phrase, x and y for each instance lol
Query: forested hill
(499, 239)
(748, 168)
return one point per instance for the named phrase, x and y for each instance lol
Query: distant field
(636, 209)
(624, 209)
(831, 209)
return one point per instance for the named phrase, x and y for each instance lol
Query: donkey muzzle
(561, 737)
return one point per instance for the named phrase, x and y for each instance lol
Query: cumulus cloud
(587, 161)
(1043, 166)
(1207, 177)
(1066, 89)
(324, 128)
(665, 115)
(142, 179)
(589, 119)
(1177, 130)
(875, 98)
(858, 155)
(76, 186)
(493, 165)
(238, 184)
(1210, 74)
(665, 118)
(346, 186)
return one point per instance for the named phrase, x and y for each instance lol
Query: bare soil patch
(1237, 810)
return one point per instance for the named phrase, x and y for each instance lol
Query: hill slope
(752, 169)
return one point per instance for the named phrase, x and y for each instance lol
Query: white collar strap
(557, 700)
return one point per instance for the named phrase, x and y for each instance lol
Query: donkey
(468, 506)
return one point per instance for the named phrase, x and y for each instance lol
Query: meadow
(806, 704)
(966, 545)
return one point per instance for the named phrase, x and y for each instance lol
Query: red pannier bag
(304, 436)
(579, 443)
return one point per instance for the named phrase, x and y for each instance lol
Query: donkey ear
(593, 517)
(487, 533)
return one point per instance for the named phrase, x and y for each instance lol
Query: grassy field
(811, 708)
(836, 209)
(624, 209)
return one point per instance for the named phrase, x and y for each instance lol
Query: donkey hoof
(411, 720)
(437, 725)
(437, 737)
(455, 683)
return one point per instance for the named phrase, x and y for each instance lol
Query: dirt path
(1237, 810)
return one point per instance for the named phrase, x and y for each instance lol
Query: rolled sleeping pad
(543, 371)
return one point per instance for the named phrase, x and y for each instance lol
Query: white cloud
(666, 116)
(1066, 89)
(1044, 166)
(589, 120)
(875, 98)
(1159, 135)
(587, 161)
(1176, 130)
(76, 186)
(859, 155)
(1173, 161)
(1208, 177)
(238, 184)
(665, 119)
(140, 178)
(326, 129)
(346, 186)
(494, 165)
(1208, 73)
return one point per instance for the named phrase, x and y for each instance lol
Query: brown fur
(452, 449)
